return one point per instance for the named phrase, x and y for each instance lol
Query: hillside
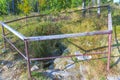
(13, 66)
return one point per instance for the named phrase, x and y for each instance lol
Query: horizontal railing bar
(50, 37)
(22, 37)
(41, 15)
(15, 47)
(47, 58)
(87, 8)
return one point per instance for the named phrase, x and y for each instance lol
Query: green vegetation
(3, 7)
(42, 6)
(25, 7)
(60, 24)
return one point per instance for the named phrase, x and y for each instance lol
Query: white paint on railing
(109, 21)
(61, 36)
(22, 37)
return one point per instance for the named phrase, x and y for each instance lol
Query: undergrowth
(58, 24)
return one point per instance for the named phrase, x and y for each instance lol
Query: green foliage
(103, 78)
(40, 5)
(42, 48)
(104, 1)
(74, 25)
(76, 3)
(3, 7)
(58, 5)
(25, 7)
(7, 6)
(54, 5)
(34, 5)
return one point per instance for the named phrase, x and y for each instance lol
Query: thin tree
(84, 7)
(98, 11)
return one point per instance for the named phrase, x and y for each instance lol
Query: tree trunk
(93, 3)
(98, 11)
(84, 7)
(13, 7)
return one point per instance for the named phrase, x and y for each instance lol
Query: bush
(42, 48)
(3, 7)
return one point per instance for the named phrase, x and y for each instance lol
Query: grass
(51, 26)
(61, 27)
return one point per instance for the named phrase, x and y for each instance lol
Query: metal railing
(60, 36)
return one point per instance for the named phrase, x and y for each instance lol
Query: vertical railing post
(109, 37)
(109, 51)
(3, 34)
(28, 60)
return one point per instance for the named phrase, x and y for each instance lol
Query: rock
(113, 77)
(57, 74)
(4, 50)
(69, 61)
(9, 64)
(63, 63)
(70, 66)
(1, 70)
(51, 66)
(82, 57)
(5, 68)
(4, 62)
(35, 67)
(60, 63)
(49, 74)
(83, 70)
(61, 73)
(14, 68)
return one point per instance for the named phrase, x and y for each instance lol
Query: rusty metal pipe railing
(28, 60)
(60, 36)
(13, 31)
(47, 58)
(109, 37)
(14, 47)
